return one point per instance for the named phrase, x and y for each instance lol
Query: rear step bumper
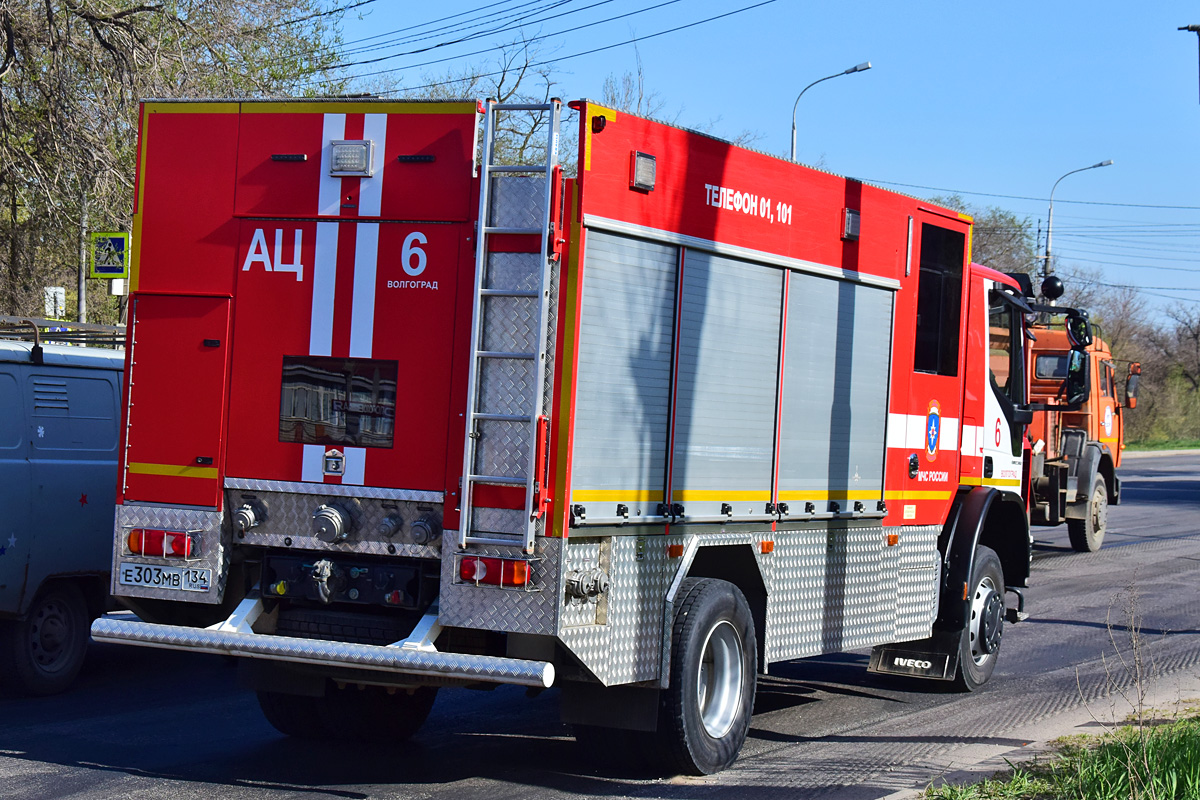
(394, 659)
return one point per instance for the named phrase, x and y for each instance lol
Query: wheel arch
(737, 564)
(981, 515)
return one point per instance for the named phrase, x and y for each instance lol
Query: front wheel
(979, 644)
(1087, 534)
(705, 713)
(44, 651)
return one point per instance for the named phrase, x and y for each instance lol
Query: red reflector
(163, 544)
(494, 571)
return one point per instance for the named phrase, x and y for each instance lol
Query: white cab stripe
(329, 197)
(370, 190)
(362, 309)
(356, 466)
(972, 442)
(907, 431)
(320, 332)
(312, 469)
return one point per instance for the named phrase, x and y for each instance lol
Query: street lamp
(1190, 28)
(863, 67)
(1050, 214)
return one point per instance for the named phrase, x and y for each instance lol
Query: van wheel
(1087, 534)
(979, 645)
(44, 651)
(705, 714)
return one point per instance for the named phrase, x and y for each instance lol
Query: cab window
(1004, 350)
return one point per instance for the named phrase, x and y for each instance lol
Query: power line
(1021, 197)
(444, 19)
(569, 57)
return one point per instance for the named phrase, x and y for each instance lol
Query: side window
(1106, 380)
(939, 300)
(72, 413)
(1004, 349)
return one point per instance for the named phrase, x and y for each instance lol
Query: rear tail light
(494, 571)
(162, 544)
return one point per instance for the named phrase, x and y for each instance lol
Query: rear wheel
(980, 642)
(1087, 534)
(705, 714)
(43, 652)
(366, 714)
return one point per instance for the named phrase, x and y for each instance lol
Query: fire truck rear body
(443, 422)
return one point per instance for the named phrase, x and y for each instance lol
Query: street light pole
(1192, 28)
(866, 65)
(1050, 213)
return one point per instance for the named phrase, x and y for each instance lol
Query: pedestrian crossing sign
(110, 255)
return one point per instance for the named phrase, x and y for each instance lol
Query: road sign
(110, 255)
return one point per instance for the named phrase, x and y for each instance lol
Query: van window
(1051, 368)
(72, 413)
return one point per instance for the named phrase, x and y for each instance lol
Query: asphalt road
(157, 724)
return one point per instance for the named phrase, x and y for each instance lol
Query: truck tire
(293, 714)
(979, 644)
(42, 653)
(1087, 534)
(705, 713)
(368, 714)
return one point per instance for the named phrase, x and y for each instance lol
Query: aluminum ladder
(510, 337)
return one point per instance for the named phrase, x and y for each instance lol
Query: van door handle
(206, 460)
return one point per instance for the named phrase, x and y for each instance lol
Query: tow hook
(328, 578)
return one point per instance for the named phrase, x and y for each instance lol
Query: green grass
(1148, 763)
(1167, 444)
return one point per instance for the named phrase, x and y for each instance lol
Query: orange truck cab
(1076, 450)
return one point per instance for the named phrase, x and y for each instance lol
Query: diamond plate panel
(499, 520)
(517, 202)
(514, 271)
(627, 646)
(510, 324)
(502, 449)
(289, 523)
(509, 610)
(506, 386)
(212, 535)
(828, 592)
(916, 582)
(335, 490)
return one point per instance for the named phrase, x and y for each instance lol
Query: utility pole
(83, 251)
(1193, 28)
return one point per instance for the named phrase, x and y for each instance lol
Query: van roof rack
(36, 330)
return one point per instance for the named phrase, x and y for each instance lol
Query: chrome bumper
(397, 659)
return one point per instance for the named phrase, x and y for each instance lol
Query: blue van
(59, 420)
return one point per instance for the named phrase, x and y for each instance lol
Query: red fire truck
(401, 418)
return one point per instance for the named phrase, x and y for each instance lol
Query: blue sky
(994, 101)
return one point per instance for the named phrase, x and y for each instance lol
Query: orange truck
(1076, 449)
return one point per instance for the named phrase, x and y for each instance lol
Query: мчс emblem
(933, 429)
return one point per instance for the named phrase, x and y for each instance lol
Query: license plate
(156, 577)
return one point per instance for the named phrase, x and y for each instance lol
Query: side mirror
(1078, 382)
(1131, 385)
(1079, 331)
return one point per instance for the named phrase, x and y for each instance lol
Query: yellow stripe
(990, 482)
(1113, 440)
(192, 108)
(566, 362)
(603, 495)
(838, 495)
(593, 112)
(359, 108)
(701, 495)
(135, 259)
(173, 470)
(916, 495)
